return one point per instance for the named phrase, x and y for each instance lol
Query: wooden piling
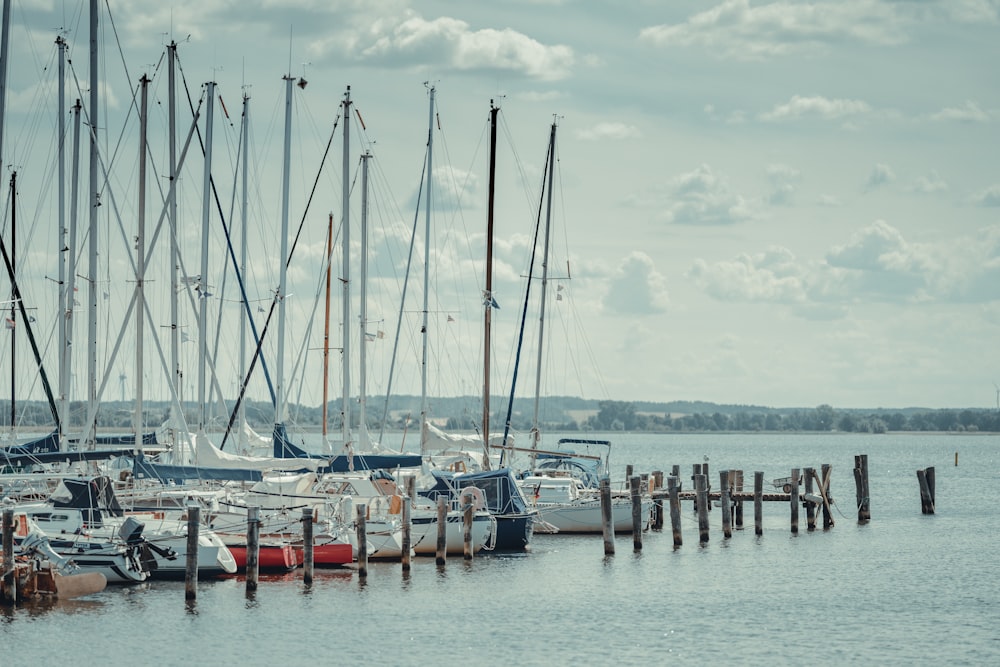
(467, 517)
(925, 479)
(727, 516)
(675, 508)
(738, 484)
(810, 505)
(793, 500)
(253, 548)
(308, 561)
(701, 495)
(407, 532)
(824, 490)
(635, 490)
(191, 564)
(607, 526)
(861, 484)
(695, 471)
(9, 576)
(758, 503)
(362, 532)
(442, 534)
(657, 520)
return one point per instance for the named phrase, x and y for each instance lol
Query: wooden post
(191, 564)
(727, 515)
(810, 506)
(253, 548)
(926, 494)
(9, 577)
(307, 546)
(675, 471)
(861, 484)
(629, 471)
(467, 517)
(607, 527)
(956, 459)
(824, 490)
(758, 503)
(793, 501)
(701, 495)
(362, 529)
(930, 485)
(407, 531)
(635, 489)
(739, 501)
(695, 471)
(657, 522)
(442, 534)
(675, 509)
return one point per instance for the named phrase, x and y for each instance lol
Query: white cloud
(609, 131)
(449, 43)
(880, 175)
(988, 197)
(970, 113)
(783, 181)
(930, 183)
(702, 197)
(736, 30)
(774, 275)
(637, 288)
(816, 106)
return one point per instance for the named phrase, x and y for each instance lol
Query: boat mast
(345, 220)
(363, 309)
(535, 431)
(206, 208)
(4, 48)
(70, 303)
(12, 319)
(95, 202)
(279, 404)
(63, 321)
(140, 267)
(175, 354)
(243, 259)
(427, 269)
(326, 333)
(488, 294)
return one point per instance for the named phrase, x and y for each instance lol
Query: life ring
(787, 488)
(473, 495)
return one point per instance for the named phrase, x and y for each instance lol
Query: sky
(783, 204)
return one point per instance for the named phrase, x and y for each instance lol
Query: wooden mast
(488, 294)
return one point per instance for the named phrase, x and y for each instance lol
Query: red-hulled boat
(273, 556)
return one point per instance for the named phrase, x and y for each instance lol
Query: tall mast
(62, 250)
(243, 256)
(345, 223)
(363, 308)
(427, 263)
(279, 405)
(12, 321)
(69, 304)
(4, 48)
(140, 266)
(175, 355)
(95, 202)
(203, 277)
(326, 332)
(535, 433)
(488, 294)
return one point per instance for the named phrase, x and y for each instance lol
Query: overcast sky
(768, 203)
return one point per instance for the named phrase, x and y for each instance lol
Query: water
(903, 589)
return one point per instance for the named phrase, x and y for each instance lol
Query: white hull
(584, 516)
(424, 533)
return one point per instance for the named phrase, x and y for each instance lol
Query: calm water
(904, 589)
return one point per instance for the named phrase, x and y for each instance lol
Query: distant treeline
(561, 413)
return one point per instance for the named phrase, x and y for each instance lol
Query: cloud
(736, 30)
(879, 262)
(701, 197)
(412, 41)
(816, 106)
(881, 174)
(609, 131)
(783, 181)
(988, 197)
(930, 183)
(774, 275)
(637, 288)
(970, 113)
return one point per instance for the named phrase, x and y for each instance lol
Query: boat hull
(425, 529)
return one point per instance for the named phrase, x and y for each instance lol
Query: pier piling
(191, 564)
(607, 526)
(253, 548)
(307, 546)
(362, 529)
(702, 502)
(441, 553)
(925, 478)
(793, 500)
(675, 508)
(758, 503)
(861, 484)
(727, 516)
(635, 489)
(9, 587)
